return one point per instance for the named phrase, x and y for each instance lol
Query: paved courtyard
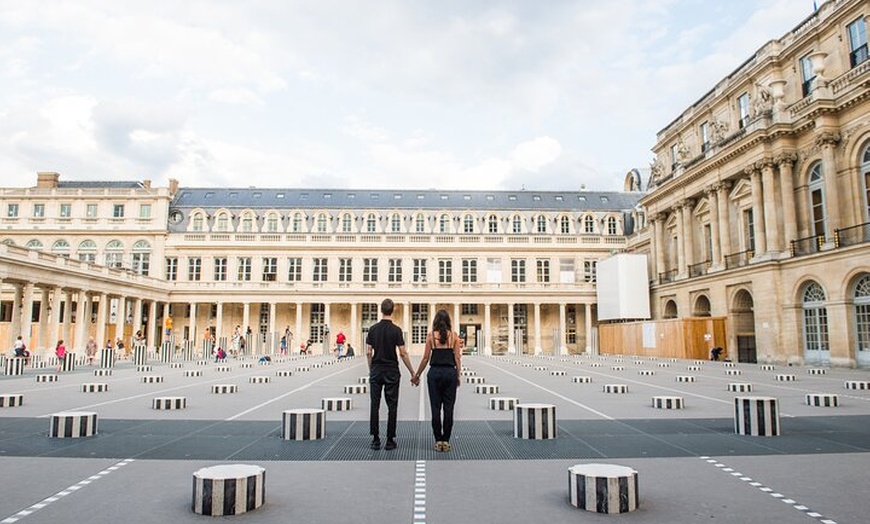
(692, 466)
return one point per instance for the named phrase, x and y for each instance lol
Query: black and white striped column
(95, 387)
(224, 388)
(166, 352)
(685, 378)
(259, 379)
(107, 358)
(46, 378)
(356, 389)
(284, 373)
(857, 384)
(336, 404)
(475, 380)
(535, 421)
(603, 488)
(667, 402)
(14, 366)
(140, 355)
(580, 379)
(303, 424)
(615, 388)
(817, 371)
(192, 372)
(230, 489)
(69, 362)
(823, 400)
(144, 368)
(73, 424)
(503, 403)
(756, 416)
(169, 403)
(740, 387)
(11, 400)
(486, 389)
(152, 379)
(102, 372)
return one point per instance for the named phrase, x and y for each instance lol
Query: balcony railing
(738, 259)
(807, 246)
(851, 236)
(699, 269)
(667, 276)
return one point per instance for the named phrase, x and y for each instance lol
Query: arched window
(816, 184)
(565, 225)
(492, 224)
(420, 224)
(297, 222)
(861, 300)
(273, 221)
(588, 224)
(8, 242)
(115, 254)
(444, 223)
(468, 224)
(702, 306)
(222, 224)
(396, 223)
(611, 226)
(34, 244)
(541, 224)
(865, 176)
(198, 221)
(87, 251)
(371, 223)
(142, 257)
(321, 223)
(516, 224)
(347, 223)
(60, 248)
(670, 310)
(247, 222)
(815, 324)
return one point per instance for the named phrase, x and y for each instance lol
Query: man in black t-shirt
(381, 343)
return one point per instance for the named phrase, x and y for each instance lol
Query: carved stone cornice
(789, 158)
(828, 138)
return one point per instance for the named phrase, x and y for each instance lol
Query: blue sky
(547, 95)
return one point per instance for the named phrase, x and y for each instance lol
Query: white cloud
(239, 96)
(535, 154)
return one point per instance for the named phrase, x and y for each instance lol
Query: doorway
(473, 337)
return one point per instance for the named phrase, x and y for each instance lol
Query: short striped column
(733, 372)
(729, 364)
(785, 378)
(558, 373)
(767, 367)
(615, 388)
(617, 368)
(857, 384)
(646, 372)
(581, 379)
(356, 389)
(693, 368)
(817, 371)
(603, 488)
(685, 378)
(595, 365)
(73, 424)
(503, 403)
(11, 400)
(202, 362)
(363, 380)
(823, 400)
(107, 358)
(475, 380)
(230, 489)
(176, 365)
(152, 379)
(303, 424)
(663, 365)
(740, 387)
(223, 369)
(144, 368)
(192, 372)
(486, 389)
(95, 387)
(317, 365)
(756, 416)
(260, 379)
(169, 403)
(46, 378)
(540, 368)
(102, 372)
(69, 362)
(284, 373)
(336, 404)
(246, 365)
(667, 402)
(14, 366)
(302, 369)
(140, 355)
(535, 421)
(468, 373)
(221, 389)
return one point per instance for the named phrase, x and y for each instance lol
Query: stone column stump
(535, 421)
(230, 489)
(169, 403)
(823, 400)
(503, 403)
(667, 402)
(303, 424)
(603, 488)
(73, 424)
(11, 400)
(756, 416)
(336, 404)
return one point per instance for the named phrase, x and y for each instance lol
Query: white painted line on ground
(421, 414)
(419, 493)
(57, 496)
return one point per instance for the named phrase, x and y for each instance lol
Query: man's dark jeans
(386, 379)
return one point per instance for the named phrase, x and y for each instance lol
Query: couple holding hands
(443, 355)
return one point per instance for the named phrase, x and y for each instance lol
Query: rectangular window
(194, 269)
(419, 323)
(543, 270)
(395, 270)
(370, 270)
(244, 269)
(39, 210)
(369, 317)
(144, 210)
(220, 269)
(445, 271)
(469, 270)
(345, 270)
(65, 210)
(469, 309)
(317, 321)
(705, 136)
(857, 42)
(743, 109)
(807, 75)
(419, 274)
(590, 271)
(818, 212)
(566, 271)
(12, 210)
(294, 269)
(319, 271)
(270, 269)
(171, 269)
(91, 211)
(142, 263)
(118, 211)
(493, 270)
(518, 270)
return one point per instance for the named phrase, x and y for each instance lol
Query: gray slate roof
(99, 184)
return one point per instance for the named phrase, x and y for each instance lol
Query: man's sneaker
(391, 444)
(376, 443)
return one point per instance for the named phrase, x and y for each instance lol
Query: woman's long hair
(441, 325)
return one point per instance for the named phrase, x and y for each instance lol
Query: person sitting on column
(347, 354)
(219, 354)
(21, 349)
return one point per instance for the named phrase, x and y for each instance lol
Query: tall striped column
(756, 416)
(140, 355)
(107, 358)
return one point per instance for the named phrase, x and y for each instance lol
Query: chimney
(173, 186)
(146, 184)
(47, 179)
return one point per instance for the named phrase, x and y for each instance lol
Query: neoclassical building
(515, 269)
(759, 200)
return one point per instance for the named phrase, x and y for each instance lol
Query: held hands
(415, 380)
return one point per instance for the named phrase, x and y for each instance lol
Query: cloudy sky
(476, 94)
